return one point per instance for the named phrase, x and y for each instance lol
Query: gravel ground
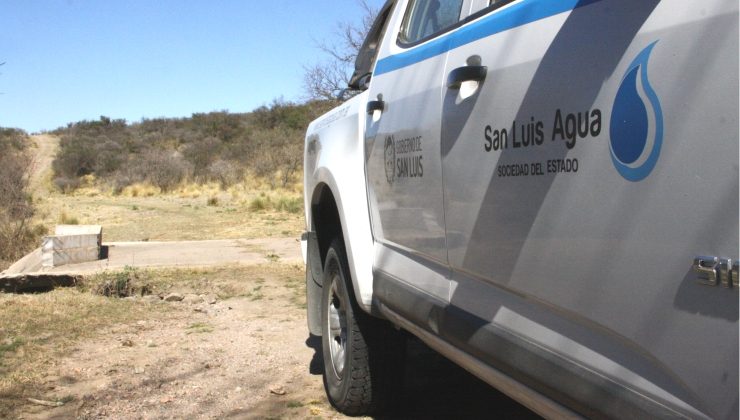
(246, 357)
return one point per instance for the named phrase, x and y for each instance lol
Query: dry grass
(226, 282)
(38, 329)
(191, 212)
(141, 212)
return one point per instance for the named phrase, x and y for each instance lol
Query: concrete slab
(173, 254)
(61, 230)
(28, 264)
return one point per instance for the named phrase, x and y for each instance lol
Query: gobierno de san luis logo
(390, 159)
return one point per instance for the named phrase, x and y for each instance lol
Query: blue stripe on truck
(518, 14)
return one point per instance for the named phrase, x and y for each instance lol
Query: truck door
(589, 152)
(404, 169)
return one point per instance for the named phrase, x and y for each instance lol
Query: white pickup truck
(545, 192)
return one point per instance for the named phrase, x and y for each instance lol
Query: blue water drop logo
(636, 127)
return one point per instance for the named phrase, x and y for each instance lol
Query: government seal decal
(390, 159)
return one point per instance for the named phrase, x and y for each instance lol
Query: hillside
(218, 147)
(213, 175)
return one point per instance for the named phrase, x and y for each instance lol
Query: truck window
(425, 18)
(369, 50)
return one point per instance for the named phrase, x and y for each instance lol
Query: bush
(76, 157)
(281, 155)
(160, 169)
(17, 234)
(290, 205)
(258, 204)
(225, 173)
(66, 185)
(12, 139)
(216, 146)
(66, 219)
(128, 282)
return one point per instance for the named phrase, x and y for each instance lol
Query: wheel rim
(337, 328)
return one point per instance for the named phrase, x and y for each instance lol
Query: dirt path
(240, 358)
(248, 357)
(45, 148)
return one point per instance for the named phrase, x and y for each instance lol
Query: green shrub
(258, 204)
(290, 205)
(128, 282)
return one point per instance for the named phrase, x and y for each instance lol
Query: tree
(328, 78)
(17, 234)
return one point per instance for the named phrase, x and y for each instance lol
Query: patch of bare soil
(245, 357)
(45, 150)
(190, 355)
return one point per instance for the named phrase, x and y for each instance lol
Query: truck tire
(363, 355)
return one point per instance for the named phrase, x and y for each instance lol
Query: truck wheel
(363, 356)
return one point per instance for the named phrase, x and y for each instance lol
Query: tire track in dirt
(44, 149)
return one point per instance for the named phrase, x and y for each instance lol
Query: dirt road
(173, 254)
(241, 358)
(45, 148)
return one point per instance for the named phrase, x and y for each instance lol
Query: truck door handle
(377, 105)
(466, 74)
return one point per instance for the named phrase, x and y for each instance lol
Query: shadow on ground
(436, 388)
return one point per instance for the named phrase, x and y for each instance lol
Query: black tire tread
(375, 349)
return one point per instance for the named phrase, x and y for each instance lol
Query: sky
(70, 60)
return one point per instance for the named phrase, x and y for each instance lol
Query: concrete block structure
(72, 244)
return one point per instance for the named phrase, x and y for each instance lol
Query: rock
(192, 299)
(211, 299)
(46, 403)
(277, 390)
(173, 297)
(138, 370)
(127, 343)
(209, 310)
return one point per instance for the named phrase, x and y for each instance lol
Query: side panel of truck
(404, 171)
(550, 217)
(569, 252)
